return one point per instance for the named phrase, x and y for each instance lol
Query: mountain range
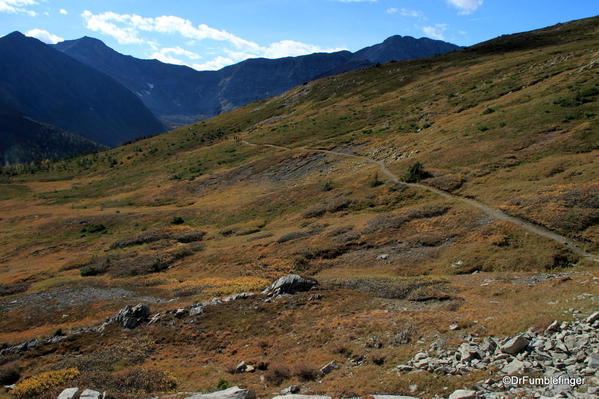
(86, 88)
(180, 95)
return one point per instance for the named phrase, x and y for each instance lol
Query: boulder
(463, 394)
(231, 393)
(131, 317)
(515, 345)
(69, 393)
(290, 284)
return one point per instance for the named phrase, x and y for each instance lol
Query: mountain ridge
(179, 94)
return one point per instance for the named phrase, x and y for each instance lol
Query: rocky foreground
(560, 362)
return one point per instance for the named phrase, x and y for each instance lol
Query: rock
(181, 313)
(328, 368)
(291, 389)
(392, 397)
(593, 318)
(515, 345)
(383, 257)
(91, 394)
(196, 310)
(131, 317)
(241, 367)
(290, 284)
(231, 393)
(553, 327)
(297, 396)
(593, 361)
(488, 345)
(463, 394)
(454, 327)
(68, 393)
(514, 367)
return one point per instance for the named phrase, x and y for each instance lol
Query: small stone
(454, 327)
(514, 367)
(515, 345)
(463, 394)
(593, 318)
(231, 393)
(593, 361)
(383, 257)
(196, 310)
(328, 368)
(553, 327)
(90, 394)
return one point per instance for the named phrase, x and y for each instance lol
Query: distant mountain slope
(54, 88)
(178, 94)
(24, 140)
(401, 48)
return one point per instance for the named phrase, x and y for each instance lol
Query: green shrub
(177, 220)
(416, 173)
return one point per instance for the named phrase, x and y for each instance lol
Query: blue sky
(210, 34)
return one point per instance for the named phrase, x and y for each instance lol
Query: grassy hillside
(511, 123)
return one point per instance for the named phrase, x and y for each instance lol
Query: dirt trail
(493, 212)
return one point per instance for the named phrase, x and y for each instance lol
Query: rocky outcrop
(73, 393)
(131, 317)
(562, 352)
(290, 284)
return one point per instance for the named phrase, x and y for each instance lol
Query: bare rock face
(290, 284)
(231, 393)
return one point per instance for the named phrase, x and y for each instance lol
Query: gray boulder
(131, 317)
(515, 345)
(69, 393)
(231, 393)
(290, 284)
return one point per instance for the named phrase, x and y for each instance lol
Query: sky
(211, 34)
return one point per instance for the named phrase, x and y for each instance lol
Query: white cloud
(128, 29)
(411, 13)
(391, 10)
(466, 6)
(44, 36)
(18, 7)
(167, 55)
(63, 11)
(436, 32)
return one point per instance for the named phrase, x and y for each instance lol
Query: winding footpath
(494, 213)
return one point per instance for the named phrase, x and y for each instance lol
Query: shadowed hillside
(53, 88)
